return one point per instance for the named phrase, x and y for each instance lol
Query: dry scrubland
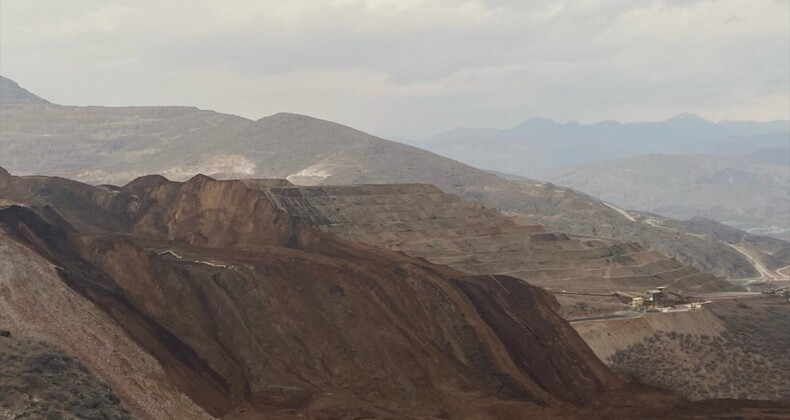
(38, 381)
(746, 358)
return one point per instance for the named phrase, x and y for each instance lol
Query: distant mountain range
(737, 191)
(117, 144)
(737, 172)
(544, 143)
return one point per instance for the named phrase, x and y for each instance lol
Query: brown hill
(278, 316)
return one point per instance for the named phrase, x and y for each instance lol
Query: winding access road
(766, 274)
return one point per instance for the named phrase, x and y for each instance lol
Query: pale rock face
(99, 176)
(219, 164)
(312, 175)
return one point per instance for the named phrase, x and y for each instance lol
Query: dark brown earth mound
(251, 312)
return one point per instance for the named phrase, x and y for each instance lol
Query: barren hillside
(115, 145)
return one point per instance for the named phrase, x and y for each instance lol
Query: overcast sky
(409, 68)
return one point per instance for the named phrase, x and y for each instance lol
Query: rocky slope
(565, 210)
(116, 145)
(772, 252)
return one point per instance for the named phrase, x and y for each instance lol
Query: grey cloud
(409, 68)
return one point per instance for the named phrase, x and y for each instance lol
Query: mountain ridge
(541, 143)
(115, 145)
(740, 127)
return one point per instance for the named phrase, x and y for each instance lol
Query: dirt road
(765, 272)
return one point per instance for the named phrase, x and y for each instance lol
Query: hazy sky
(409, 68)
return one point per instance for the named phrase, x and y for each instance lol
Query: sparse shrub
(60, 384)
(747, 360)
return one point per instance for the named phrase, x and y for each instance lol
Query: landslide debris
(295, 317)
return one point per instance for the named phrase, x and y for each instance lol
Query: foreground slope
(39, 307)
(116, 145)
(40, 381)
